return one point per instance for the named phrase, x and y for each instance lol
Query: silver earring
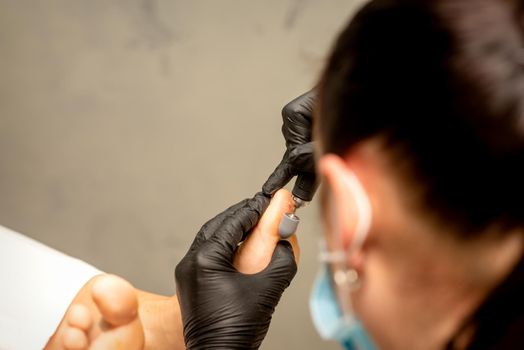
(349, 278)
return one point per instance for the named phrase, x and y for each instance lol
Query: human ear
(335, 171)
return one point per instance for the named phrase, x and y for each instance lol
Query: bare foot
(104, 315)
(255, 253)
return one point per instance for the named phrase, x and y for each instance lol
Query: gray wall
(124, 125)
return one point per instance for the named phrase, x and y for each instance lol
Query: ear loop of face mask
(345, 277)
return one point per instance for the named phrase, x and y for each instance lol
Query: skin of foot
(103, 315)
(109, 313)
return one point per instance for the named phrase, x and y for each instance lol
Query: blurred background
(126, 124)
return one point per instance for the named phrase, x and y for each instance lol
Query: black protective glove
(298, 158)
(221, 307)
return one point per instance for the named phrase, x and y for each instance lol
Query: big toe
(116, 299)
(256, 251)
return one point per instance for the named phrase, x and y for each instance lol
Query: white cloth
(37, 284)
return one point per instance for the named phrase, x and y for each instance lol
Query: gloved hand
(298, 158)
(221, 307)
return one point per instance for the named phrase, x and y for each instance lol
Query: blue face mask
(331, 323)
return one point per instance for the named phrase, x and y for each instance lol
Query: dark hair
(442, 83)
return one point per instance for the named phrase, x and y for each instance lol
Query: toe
(116, 299)
(74, 339)
(255, 253)
(78, 316)
(268, 225)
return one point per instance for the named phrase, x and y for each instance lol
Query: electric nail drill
(302, 194)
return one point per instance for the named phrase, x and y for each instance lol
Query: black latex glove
(221, 307)
(298, 158)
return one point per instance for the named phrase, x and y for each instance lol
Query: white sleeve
(37, 285)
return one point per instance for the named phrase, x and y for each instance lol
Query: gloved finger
(207, 230)
(297, 116)
(282, 268)
(282, 174)
(227, 236)
(302, 158)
